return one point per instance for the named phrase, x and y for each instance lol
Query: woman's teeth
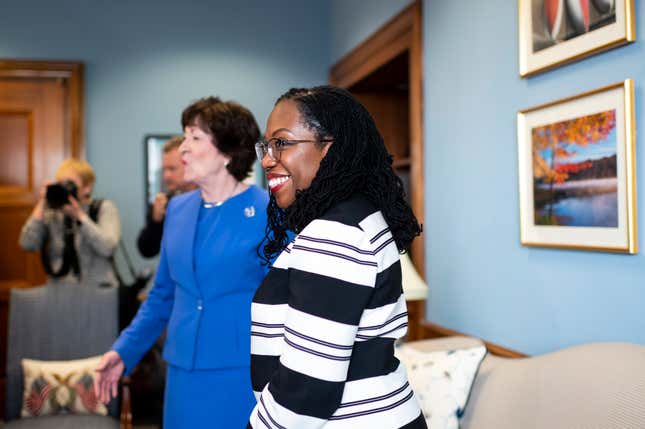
(278, 181)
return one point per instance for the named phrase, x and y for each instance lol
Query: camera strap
(70, 258)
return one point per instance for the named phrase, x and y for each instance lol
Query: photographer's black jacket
(149, 241)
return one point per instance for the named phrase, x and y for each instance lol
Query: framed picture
(153, 154)
(555, 32)
(577, 173)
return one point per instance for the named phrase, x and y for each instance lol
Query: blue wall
(148, 59)
(353, 21)
(482, 281)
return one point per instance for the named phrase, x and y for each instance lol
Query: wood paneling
(40, 125)
(15, 145)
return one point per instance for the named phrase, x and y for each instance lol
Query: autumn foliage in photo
(566, 166)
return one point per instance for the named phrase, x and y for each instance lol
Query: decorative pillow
(441, 381)
(60, 387)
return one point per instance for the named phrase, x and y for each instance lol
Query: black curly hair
(233, 126)
(357, 162)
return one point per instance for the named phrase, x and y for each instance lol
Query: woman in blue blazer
(207, 275)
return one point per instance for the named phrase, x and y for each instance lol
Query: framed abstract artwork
(555, 32)
(577, 178)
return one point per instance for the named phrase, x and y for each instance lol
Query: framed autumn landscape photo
(555, 32)
(577, 179)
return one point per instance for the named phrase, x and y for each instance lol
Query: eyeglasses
(274, 147)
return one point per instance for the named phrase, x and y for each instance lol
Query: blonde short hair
(173, 144)
(80, 167)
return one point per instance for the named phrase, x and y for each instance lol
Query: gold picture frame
(556, 32)
(577, 171)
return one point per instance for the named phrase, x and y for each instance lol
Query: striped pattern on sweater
(324, 323)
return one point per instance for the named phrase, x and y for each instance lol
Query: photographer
(76, 235)
(149, 241)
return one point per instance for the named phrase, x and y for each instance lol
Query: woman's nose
(267, 162)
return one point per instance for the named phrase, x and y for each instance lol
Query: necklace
(210, 205)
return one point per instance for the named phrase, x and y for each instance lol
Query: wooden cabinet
(385, 74)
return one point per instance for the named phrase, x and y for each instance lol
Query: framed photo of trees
(555, 32)
(577, 178)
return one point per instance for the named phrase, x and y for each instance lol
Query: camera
(58, 194)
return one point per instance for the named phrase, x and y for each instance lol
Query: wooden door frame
(70, 71)
(402, 33)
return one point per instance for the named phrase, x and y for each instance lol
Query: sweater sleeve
(332, 273)
(32, 235)
(104, 235)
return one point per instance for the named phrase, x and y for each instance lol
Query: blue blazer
(207, 312)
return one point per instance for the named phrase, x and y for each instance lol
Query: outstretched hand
(107, 375)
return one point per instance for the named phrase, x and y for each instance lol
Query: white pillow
(60, 387)
(441, 381)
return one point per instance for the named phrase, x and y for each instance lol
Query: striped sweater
(324, 323)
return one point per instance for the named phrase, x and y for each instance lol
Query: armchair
(60, 322)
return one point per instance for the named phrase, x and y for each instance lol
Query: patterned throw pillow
(60, 387)
(441, 381)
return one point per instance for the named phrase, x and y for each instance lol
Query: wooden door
(40, 125)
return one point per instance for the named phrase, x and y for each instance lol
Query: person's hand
(74, 209)
(107, 375)
(159, 207)
(39, 208)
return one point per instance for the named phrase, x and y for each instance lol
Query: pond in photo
(574, 172)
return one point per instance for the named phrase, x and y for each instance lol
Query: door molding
(72, 72)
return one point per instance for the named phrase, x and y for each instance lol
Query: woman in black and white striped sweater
(326, 317)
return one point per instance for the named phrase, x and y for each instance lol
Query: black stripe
(305, 395)
(382, 325)
(351, 211)
(336, 243)
(377, 398)
(269, 415)
(379, 235)
(382, 334)
(315, 352)
(317, 341)
(387, 287)
(274, 289)
(372, 358)
(334, 254)
(383, 246)
(263, 420)
(268, 325)
(327, 297)
(262, 368)
(375, 410)
(418, 423)
(262, 334)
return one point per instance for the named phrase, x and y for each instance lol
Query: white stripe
(321, 328)
(269, 313)
(333, 266)
(388, 256)
(267, 346)
(373, 224)
(314, 366)
(283, 416)
(381, 315)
